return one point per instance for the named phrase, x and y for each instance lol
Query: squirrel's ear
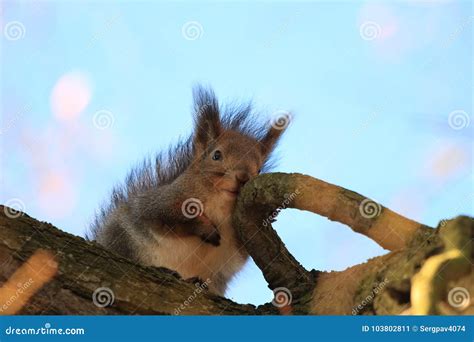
(271, 137)
(206, 117)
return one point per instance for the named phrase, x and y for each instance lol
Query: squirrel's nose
(242, 177)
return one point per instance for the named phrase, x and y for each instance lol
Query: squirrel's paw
(214, 238)
(207, 231)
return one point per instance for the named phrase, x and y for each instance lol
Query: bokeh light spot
(70, 96)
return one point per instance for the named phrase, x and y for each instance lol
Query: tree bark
(46, 271)
(83, 267)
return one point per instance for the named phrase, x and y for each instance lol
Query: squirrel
(175, 211)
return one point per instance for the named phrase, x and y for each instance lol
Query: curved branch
(255, 209)
(263, 197)
(390, 230)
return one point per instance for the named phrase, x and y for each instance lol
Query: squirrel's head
(232, 148)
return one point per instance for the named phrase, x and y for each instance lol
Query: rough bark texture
(46, 271)
(84, 267)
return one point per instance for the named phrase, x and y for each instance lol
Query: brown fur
(146, 221)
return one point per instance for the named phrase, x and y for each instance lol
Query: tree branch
(84, 267)
(280, 190)
(261, 200)
(46, 271)
(429, 286)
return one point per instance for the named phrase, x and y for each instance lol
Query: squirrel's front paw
(214, 238)
(208, 233)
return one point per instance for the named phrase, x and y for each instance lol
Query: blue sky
(381, 94)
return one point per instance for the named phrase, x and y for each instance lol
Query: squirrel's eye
(217, 155)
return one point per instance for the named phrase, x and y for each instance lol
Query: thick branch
(84, 267)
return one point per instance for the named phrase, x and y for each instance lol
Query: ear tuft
(206, 117)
